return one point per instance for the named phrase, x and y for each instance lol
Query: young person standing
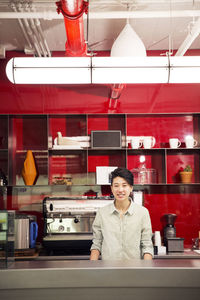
(122, 229)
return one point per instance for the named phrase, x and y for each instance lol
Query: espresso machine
(68, 223)
(172, 243)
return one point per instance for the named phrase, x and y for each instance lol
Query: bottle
(3, 179)
(143, 174)
(199, 240)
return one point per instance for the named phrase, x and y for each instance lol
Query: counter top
(12, 277)
(106, 264)
(187, 254)
(145, 278)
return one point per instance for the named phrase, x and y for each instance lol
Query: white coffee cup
(157, 239)
(190, 142)
(149, 142)
(174, 143)
(136, 142)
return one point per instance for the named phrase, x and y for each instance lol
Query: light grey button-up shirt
(118, 238)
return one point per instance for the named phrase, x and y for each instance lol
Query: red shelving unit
(20, 133)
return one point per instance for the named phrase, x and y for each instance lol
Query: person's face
(121, 189)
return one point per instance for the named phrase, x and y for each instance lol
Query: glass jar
(144, 175)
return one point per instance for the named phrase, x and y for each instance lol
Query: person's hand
(94, 254)
(147, 256)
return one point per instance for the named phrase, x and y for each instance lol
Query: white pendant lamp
(128, 44)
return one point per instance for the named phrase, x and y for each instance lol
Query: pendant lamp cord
(170, 52)
(127, 19)
(87, 34)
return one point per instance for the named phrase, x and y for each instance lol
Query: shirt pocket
(111, 229)
(133, 232)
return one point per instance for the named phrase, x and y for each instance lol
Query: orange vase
(186, 177)
(29, 171)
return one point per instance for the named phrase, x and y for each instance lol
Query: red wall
(140, 98)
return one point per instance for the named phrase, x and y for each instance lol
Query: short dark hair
(124, 173)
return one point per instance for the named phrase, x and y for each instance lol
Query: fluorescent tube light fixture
(184, 69)
(130, 69)
(103, 70)
(49, 70)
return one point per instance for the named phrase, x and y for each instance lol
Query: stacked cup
(157, 239)
(136, 142)
(148, 142)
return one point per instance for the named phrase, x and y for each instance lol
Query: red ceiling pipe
(116, 90)
(72, 11)
(115, 94)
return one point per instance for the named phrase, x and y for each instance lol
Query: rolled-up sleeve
(97, 233)
(146, 235)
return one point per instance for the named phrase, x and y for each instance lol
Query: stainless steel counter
(187, 254)
(135, 279)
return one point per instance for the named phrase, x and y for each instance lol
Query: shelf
(167, 149)
(182, 149)
(20, 133)
(37, 133)
(67, 149)
(127, 149)
(35, 150)
(107, 185)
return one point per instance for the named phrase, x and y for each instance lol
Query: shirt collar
(130, 210)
